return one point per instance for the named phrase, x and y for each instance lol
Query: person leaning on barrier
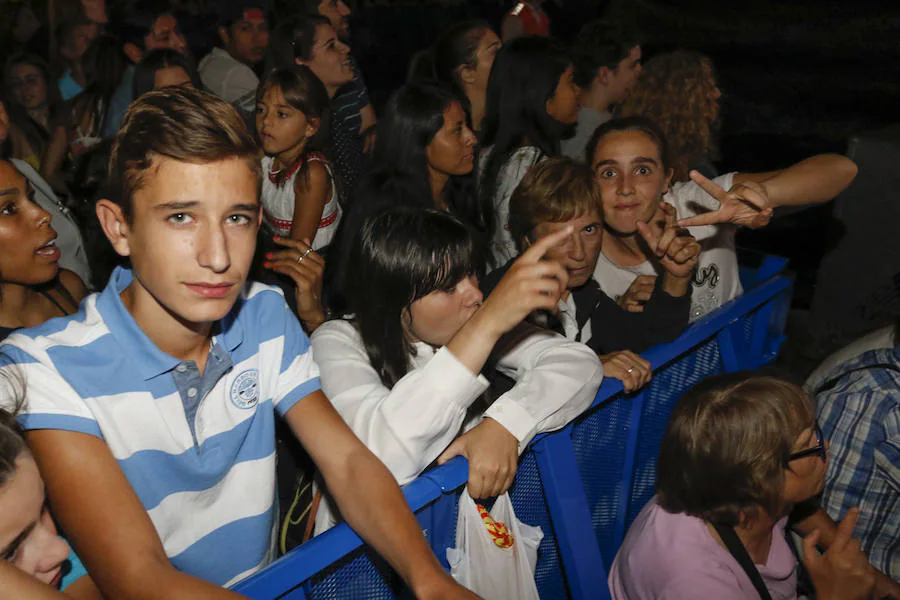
(740, 454)
(403, 364)
(561, 192)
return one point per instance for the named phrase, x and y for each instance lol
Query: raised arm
(812, 181)
(369, 498)
(106, 522)
(753, 196)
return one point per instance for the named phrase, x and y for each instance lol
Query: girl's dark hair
(302, 89)
(401, 255)
(457, 46)
(104, 65)
(35, 134)
(633, 123)
(157, 60)
(524, 77)
(294, 39)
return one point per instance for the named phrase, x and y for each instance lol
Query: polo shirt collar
(149, 359)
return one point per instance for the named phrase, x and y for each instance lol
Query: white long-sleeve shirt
(409, 425)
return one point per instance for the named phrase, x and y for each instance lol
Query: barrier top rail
(306, 561)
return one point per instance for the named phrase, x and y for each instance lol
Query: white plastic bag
(498, 565)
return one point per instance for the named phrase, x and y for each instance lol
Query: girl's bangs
(449, 260)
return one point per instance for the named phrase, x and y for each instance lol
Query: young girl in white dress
(299, 195)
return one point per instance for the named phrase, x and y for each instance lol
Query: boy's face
(192, 236)
(621, 80)
(247, 38)
(579, 254)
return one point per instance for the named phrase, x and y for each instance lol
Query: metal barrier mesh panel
(668, 385)
(361, 575)
(748, 323)
(528, 500)
(599, 443)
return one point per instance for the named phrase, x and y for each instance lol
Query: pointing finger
(540, 247)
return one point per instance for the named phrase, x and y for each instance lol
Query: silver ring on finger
(304, 255)
(630, 370)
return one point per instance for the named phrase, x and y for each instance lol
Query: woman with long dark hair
(402, 364)
(33, 104)
(461, 60)
(423, 157)
(531, 99)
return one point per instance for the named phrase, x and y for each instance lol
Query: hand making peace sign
(676, 249)
(746, 203)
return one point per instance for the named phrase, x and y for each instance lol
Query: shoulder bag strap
(736, 548)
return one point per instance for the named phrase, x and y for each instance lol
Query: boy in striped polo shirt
(151, 411)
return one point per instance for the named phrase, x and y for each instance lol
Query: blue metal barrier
(583, 485)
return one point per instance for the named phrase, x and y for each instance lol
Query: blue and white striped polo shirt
(212, 502)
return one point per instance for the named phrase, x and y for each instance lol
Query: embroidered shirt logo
(245, 389)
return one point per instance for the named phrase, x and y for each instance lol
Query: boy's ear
(112, 220)
(604, 74)
(223, 35)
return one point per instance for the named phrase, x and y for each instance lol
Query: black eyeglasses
(818, 449)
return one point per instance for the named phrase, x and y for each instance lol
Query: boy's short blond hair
(183, 124)
(555, 190)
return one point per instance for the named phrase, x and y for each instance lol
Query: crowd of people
(270, 261)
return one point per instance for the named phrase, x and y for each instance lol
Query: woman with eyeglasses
(739, 453)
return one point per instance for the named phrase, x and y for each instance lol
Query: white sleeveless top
(278, 202)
